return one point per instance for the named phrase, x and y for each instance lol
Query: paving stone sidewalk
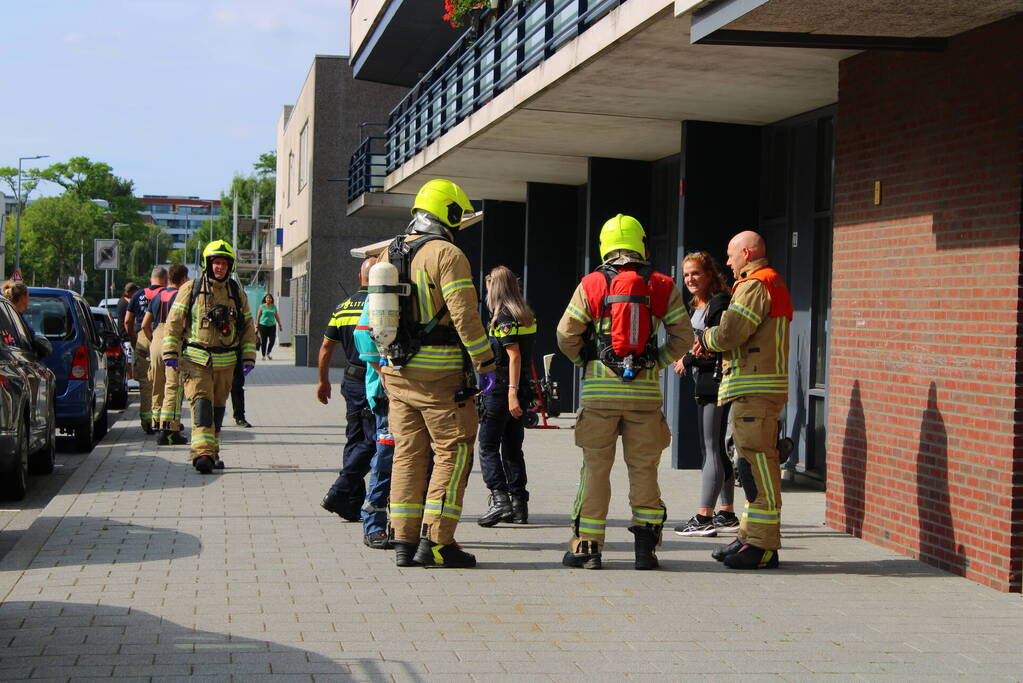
(142, 569)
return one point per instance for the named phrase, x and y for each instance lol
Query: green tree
(86, 179)
(54, 230)
(266, 166)
(29, 182)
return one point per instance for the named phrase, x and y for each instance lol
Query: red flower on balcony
(455, 11)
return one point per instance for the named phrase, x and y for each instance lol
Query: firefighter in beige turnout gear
(209, 323)
(424, 412)
(612, 406)
(754, 337)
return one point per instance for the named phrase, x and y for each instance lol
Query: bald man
(754, 334)
(348, 492)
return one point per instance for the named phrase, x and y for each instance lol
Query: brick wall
(924, 439)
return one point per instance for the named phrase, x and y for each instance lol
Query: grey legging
(717, 468)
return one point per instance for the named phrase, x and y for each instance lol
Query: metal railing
(473, 72)
(366, 169)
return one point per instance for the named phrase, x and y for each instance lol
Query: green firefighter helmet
(215, 249)
(622, 232)
(443, 199)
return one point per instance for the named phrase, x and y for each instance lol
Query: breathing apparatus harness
(413, 335)
(219, 316)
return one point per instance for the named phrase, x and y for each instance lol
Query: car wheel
(15, 484)
(42, 461)
(84, 434)
(102, 423)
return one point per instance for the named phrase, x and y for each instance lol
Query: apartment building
(182, 216)
(316, 136)
(876, 147)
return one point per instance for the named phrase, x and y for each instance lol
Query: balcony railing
(366, 170)
(473, 72)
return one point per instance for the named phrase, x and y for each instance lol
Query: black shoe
(647, 538)
(520, 510)
(726, 522)
(148, 428)
(588, 559)
(218, 464)
(343, 508)
(500, 508)
(698, 525)
(203, 463)
(430, 554)
(243, 423)
(377, 540)
(723, 551)
(752, 557)
(404, 553)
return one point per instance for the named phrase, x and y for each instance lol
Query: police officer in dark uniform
(348, 492)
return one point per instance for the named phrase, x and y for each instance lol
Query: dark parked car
(28, 429)
(117, 362)
(78, 361)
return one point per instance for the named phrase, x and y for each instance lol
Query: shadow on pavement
(95, 540)
(166, 468)
(122, 641)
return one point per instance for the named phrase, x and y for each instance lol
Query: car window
(10, 332)
(86, 317)
(24, 332)
(50, 316)
(102, 322)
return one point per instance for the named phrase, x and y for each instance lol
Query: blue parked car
(78, 361)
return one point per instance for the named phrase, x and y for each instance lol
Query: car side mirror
(42, 346)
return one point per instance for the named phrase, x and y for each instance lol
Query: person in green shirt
(266, 316)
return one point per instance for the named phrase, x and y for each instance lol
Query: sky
(177, 95)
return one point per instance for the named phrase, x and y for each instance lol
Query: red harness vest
(781, 302)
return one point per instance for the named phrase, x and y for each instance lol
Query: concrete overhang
(620, 90)
(381, 205)
(407, 39)
(874, 18)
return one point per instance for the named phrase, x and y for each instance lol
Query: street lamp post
(17, 220)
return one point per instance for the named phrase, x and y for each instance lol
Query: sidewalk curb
(28, 546)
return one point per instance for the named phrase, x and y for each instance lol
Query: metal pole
(17, 221)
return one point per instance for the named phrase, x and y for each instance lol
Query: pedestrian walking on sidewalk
(210, 323)
(610, 330)
(137, 308)
(754, 333)
(348, 492)
(511, 332)
(166, 387)
(269, 322)
(709, 291)
(430, 403)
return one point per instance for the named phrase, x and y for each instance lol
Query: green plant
(455, 11)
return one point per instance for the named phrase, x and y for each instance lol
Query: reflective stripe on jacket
(754, 335)
(442, 276)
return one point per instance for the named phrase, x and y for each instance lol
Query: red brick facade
(925, 450)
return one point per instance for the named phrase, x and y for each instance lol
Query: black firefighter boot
(588, 556)
(500, 509)
(520, 510)
(404, 553)
(430, 554)
(647, 538)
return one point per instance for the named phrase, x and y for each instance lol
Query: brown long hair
(709, 266)
(503, 294)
